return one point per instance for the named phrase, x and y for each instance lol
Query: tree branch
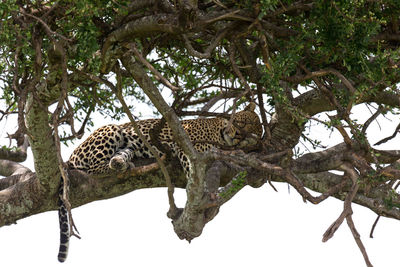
(149, 24)
(15, 154)
(213, 44)
(8, 168)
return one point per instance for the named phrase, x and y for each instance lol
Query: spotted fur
(64, 226)
(116, 146)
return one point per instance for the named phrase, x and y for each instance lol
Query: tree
(302, 62)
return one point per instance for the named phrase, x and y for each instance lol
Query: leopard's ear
(250, 107)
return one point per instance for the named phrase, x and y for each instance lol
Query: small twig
(267, 130)
(263, 46)
(371, 119)
(231, 15)
(371, 234)
(217, 2)
(342, 131)
(270, 183)
(238, 73)
(384, 140)
(5, 113)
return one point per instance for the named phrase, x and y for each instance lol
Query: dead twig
(357, 238)
(371, 234)
(347, 213)
(384, 140)
(372, 118)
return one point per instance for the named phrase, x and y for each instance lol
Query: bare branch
(8, 168)
(372, 118)
(153, 70)
(371, 234)
(384, 140)
(347, 204)
(357, 238)
(173, 210)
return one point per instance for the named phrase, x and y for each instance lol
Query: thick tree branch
(28, 198)
(190, 223)
(8, 168)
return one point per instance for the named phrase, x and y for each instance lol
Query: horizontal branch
(313, 102)
(8, 168)
(26, 197)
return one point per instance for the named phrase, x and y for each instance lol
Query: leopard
(115, 147)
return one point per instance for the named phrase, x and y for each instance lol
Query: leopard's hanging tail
(64, 225)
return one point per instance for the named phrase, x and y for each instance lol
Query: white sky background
(258, 227)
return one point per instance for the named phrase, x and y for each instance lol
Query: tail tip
(62, 253)
(62, 258)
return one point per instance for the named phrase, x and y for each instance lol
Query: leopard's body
(115, 147)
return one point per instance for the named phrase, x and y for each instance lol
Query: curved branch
(150, 24)
(313, 102)
(209, 49)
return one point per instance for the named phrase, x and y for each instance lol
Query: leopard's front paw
(119, 164)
